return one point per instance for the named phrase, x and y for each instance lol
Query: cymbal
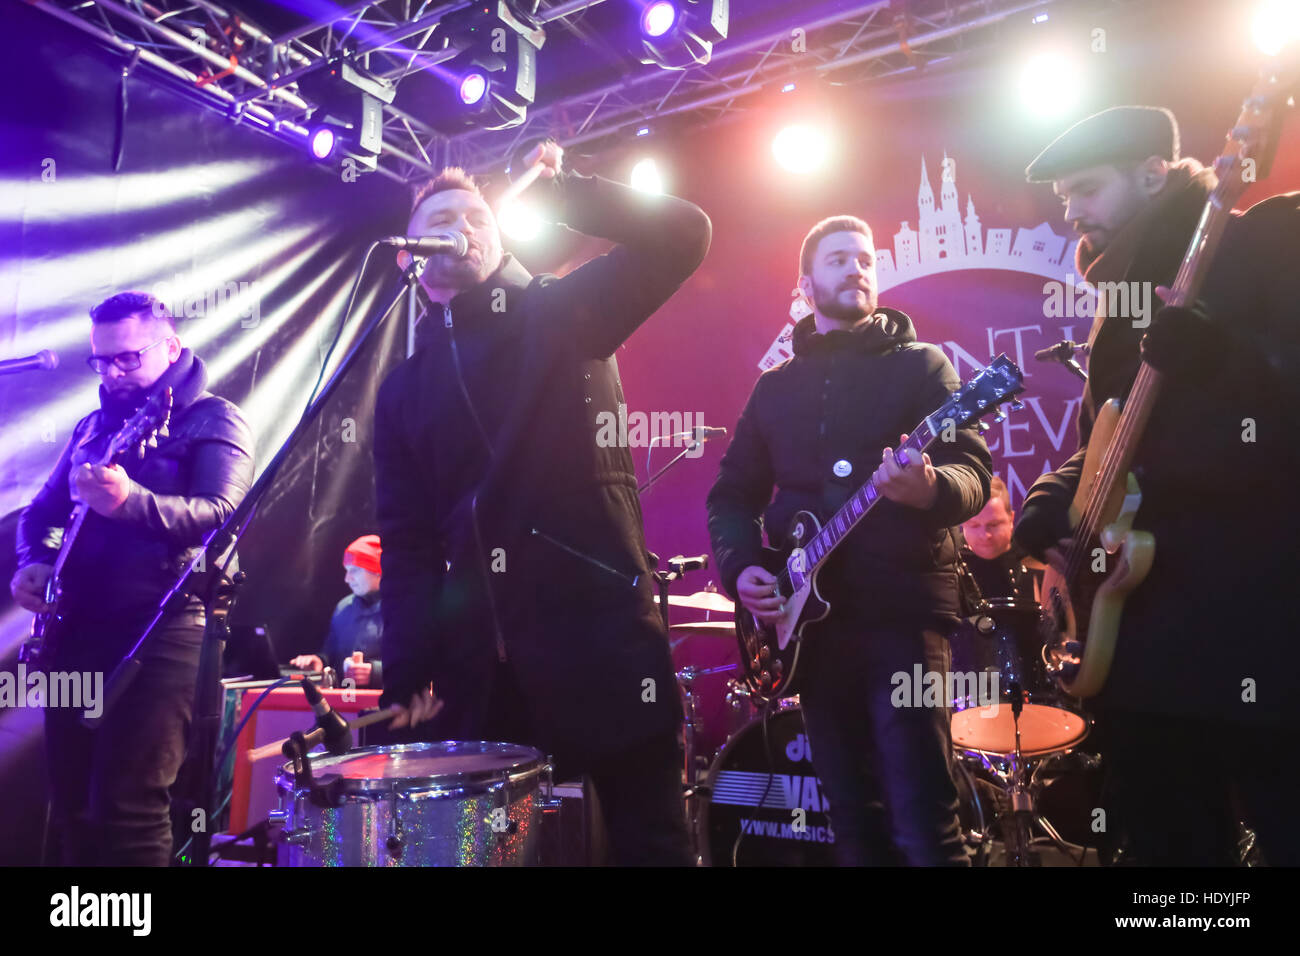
(704, 601)
(680, 633)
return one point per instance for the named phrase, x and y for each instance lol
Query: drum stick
(365, 720)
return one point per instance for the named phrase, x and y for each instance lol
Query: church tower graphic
(946, 241)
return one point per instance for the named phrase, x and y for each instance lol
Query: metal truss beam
(230, 65)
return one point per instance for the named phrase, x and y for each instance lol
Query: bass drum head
(764, 805)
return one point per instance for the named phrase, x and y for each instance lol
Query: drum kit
(752, 794)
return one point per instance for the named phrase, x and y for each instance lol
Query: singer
(515, 574)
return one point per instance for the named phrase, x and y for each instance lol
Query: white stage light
(1049, 85)
(519, 221)
(801, 149)
(1276, 24)
(645, 177)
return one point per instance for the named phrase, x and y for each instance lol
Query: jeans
(886, 770)
(109, 788)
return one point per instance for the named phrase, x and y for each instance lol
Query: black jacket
(558, 537)
(849, 395)
(121, 566)
(1217, 608)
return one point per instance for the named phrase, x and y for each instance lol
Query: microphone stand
(217, 592)
(650, 482)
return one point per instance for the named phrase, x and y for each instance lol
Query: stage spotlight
(658, 18)
(801, 149)
(321, 142)
(494, 76)
(675, 36)
(519, 221)
(1275, 25)
(472, 88)
(350, 102)
(645, 177)
(1049, 85)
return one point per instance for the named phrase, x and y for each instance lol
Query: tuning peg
(1000, 417)
(139, 450)
(152, 441)
(1017, 405)
(163, 432)
(982, 425)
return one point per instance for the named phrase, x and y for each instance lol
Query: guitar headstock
(143, 429)
(999, 381)
(1251, 144)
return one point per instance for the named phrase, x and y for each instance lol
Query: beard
(452, 272)
(829, 305)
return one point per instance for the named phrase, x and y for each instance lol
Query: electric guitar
(142, 430)
(769, 650)
(1082, 606)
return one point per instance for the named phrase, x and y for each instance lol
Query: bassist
(816, 428)
(1201, 666)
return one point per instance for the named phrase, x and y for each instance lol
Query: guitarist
(816, 427)
(109, 787)
(1200, 666)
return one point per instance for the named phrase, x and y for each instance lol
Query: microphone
(333, 728)
(1061, 351)
(450, 243)
(681, 564)
(698, 433)
(44, 359)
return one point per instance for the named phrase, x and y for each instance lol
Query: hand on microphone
(550, 155)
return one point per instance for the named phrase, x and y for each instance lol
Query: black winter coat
(552, 576)
(1217, 608)
(848, 395)
(180, 491)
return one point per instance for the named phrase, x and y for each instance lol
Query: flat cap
(1119, 134)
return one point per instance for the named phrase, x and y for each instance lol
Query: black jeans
(639, 789)
(886, 770)
(109, 788)
(1176, 788)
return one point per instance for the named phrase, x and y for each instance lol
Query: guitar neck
(864, 499)
(1142, 397)
(77, 519)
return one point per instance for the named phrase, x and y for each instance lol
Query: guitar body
(1080, 622)
(769, 651)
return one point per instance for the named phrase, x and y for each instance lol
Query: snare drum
(1002, 644)
(429, 804)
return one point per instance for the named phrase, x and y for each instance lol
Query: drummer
(999, 567)
(356, 633)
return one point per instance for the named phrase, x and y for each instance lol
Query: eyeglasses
(126, 361)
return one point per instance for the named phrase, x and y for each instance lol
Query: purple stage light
(472, 88)
(658, 18)
(321, 142)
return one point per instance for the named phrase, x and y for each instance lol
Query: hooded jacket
(121, 566)
(846, 396)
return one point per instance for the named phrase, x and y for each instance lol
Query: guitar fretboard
(855, 509)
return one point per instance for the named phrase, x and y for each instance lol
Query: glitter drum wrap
(433, 804)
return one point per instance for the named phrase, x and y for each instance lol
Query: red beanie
(364, 553)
